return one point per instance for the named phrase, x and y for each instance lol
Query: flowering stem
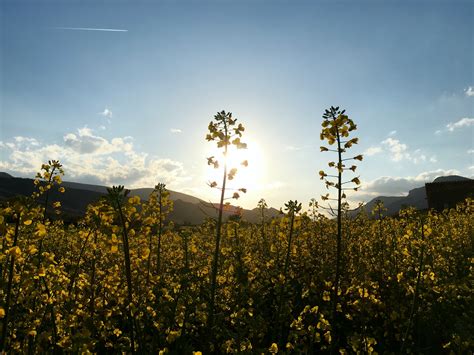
(128, 273)
(215, 261)
(9, 287)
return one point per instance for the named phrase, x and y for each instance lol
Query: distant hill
(415, 198)
(187, 209)
(143, 193)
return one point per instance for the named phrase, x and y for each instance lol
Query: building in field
(448, 194)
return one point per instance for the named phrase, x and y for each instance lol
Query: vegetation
(125, 280)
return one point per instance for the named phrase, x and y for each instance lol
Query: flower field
(126, 280)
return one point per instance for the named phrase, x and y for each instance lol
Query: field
(125, 280)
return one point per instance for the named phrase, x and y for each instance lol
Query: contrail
(90, 29)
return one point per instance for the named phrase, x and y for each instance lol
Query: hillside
(187, 209)
(415, 198)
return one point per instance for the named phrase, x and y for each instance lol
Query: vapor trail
(90, 29)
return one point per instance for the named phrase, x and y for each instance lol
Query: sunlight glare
(248, 177)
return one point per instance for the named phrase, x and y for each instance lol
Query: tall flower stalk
(117, 195)
(336, 130)
(225, 132)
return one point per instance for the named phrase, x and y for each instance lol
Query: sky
(122, 92)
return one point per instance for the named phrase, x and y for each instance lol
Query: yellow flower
(317, 337)
(40, 230)
(15, 251)
(2, 312)
(399, 276)
(134, 200)
(273, 348)
(326, 296)
(61, 189)
(327, 336)
(117, 332)
(144, 253)
(27, 222)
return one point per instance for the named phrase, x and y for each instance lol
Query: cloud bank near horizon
(89, 157)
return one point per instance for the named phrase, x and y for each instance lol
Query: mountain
(143, 193)
(187, 209)
(451, 178)
(415, 198)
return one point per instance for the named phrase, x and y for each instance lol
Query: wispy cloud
(463, 122)
(399, 151)
(470, 151)
(107, 114)
(469, 91)
(90, 29)
(392, 133)
(176, 130)
(372, 151)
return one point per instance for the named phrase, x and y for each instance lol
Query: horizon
(123, 93)
(402, 194)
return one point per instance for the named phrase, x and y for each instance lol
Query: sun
(248, 162)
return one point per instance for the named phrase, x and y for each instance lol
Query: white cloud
(399, 186)
(470, 151)
(175, 130)
(438, 132)
(463, 122)
(392, 133)
(107, 114)
(372, 151)
(469, 91)
(89, 157)
(20, 139)
(85, 142)
(398, 149)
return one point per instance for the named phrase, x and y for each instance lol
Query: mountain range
(189, 209)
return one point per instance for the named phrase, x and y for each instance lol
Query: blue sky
(132, 107)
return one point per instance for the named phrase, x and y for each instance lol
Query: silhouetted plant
(225, 132)
(336, 130)
(165, 206)
(292, 208)
(116, 196)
